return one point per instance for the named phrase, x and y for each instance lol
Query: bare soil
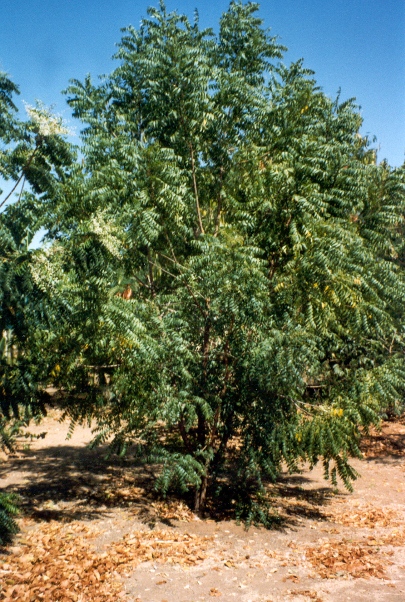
(93, 531)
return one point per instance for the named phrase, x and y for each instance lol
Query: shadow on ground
(384, 447)
(68, 483)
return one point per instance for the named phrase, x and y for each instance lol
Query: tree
(33, 158)
(225, 257)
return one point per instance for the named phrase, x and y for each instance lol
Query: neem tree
(33, 158)
(227, 251)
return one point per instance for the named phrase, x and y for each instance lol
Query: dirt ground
(93, 532)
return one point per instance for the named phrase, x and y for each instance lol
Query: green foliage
(223, 284)
(36, 159)
(8, 509)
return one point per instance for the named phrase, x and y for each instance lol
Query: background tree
(33, 159)
(223, 286)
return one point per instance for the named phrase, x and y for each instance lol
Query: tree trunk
(200, 495)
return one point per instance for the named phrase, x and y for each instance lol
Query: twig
(23, 175)
(197, 202)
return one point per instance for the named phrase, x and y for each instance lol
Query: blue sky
(355, 45)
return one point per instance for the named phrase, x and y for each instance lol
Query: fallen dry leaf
(214, 592)
(58, 562)
(359, 559)
(366, 516)
(173, 511)
(307, 593)
(293, 578)
(160, 546)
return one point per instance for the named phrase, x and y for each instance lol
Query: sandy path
(92, 532)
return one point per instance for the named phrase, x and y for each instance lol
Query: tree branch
(197, 202)
(23, 175)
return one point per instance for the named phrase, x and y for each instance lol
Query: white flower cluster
(48, 124)
(105, 229)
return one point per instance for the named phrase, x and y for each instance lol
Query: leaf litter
(357, 559)
(60, 563)
(364, 515)
(56, 561)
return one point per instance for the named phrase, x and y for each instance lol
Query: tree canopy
(222, 283)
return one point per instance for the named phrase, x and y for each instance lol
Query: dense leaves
(223, 283)
(8, 511)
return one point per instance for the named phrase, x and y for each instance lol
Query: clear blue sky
(355, 45)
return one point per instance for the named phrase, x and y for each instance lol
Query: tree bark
(201, 494)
